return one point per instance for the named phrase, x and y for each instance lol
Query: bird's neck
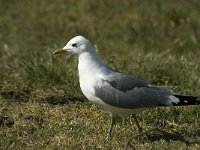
(89, 62)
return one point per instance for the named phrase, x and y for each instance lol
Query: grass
(41, 105)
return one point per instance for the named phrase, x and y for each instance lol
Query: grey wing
(128, 92)
(124, 82)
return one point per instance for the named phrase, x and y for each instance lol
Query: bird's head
(77, 45)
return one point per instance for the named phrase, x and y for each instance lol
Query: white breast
(90, 72)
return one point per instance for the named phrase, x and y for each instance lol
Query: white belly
(89, 93)
(88, 81)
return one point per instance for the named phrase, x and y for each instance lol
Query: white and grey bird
(117, 92)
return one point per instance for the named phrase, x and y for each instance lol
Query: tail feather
(187, 100)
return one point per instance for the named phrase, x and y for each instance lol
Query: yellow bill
(58, 51)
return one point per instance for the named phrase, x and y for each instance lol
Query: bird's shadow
(166, 136)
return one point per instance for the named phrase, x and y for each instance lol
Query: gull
(117, 92)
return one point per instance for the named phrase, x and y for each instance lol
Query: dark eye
(74, 45)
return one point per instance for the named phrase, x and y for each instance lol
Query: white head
(77, 45)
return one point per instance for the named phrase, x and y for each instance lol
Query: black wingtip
(187, 100)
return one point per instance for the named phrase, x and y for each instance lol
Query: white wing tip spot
(173, 99)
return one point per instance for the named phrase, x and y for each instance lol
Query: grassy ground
(41, 105)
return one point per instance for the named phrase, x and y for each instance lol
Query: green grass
(41, 105)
